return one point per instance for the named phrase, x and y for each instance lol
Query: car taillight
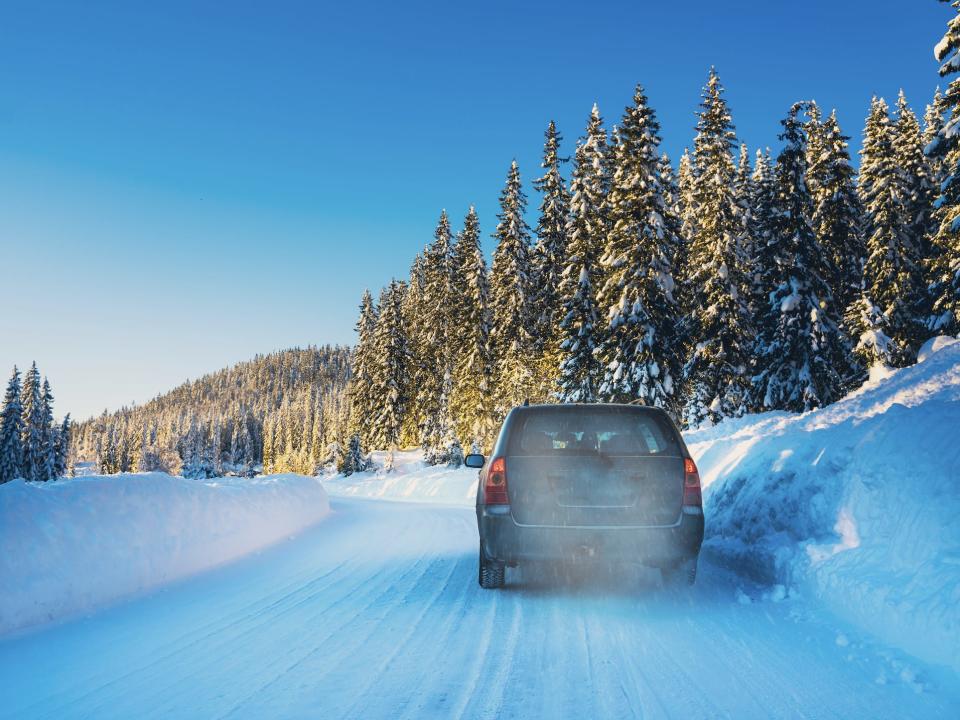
(495, 488)
(692, 496)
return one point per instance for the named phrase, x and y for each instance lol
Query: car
(585, 482)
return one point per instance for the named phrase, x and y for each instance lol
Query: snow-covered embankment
(411, 480)
(71, 546)
(857, 504)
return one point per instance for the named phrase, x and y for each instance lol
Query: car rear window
(586, 431)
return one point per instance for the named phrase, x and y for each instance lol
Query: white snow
(376, 614)
(857, 504)
(411, 479)
(933, 345)
(72, 546)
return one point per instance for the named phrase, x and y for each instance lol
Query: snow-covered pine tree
(48, 435)
(512, 340)
(892, 275)
(354, 459)
(799, 340)
(919, 192)
(743, 191)
(837, 212)
(686, 185)
(944, 266)
(361, 393)
(31, 427)
(415, 325)
(587, 228)
(470, 401)
(547, 265)
(672, 216)
(638, 347)
(62, 448)
(716, 371)
(762, 221)
(268, 439)
(390, 380)
(11, 419)
(932, 128)
(432, 396)
(318, 441)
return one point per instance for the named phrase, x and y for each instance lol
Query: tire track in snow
(386, 586)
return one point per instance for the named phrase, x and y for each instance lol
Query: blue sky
(183, 185)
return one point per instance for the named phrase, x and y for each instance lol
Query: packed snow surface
(857, 504)
(376, 613)
(71, 546)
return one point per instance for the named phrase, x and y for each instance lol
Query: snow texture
(72, 546)
(411, 479)
(856, 503)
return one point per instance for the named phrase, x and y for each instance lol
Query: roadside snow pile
(411, 479)
(858, 503)
(71, 546)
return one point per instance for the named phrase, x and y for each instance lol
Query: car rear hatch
(595, 466)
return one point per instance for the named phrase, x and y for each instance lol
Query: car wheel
(492, 575)
(683, 574)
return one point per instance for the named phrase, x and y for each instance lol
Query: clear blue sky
(183, 185)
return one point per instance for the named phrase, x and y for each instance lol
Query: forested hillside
(278, 412)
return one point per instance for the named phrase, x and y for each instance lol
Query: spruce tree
(354, 460)
(11, 428)
(686, 187)
(918, 189)
(638, 346)
(436, 351)
(547, 264)
(892, 276)
(361, 391)
(837, 212)
(62, 448)
(761, 231)
(415, 323)
(31, 428)
(799, 342)
(48, 439)
(580, 371)
(391, 380)
(932, 128)
(511, 300)
(944, 266)
(470, 402)
(716, 372)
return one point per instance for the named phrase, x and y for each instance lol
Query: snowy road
(376, 613)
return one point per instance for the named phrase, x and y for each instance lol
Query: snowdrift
(857, 503)
(411, 480)
(71, 546)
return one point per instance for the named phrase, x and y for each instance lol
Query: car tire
(683, 574)
(492, 575)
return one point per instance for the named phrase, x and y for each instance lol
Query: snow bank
(858, 503)
(70, 546)
(411, 479)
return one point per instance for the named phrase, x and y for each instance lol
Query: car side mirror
(474, 461)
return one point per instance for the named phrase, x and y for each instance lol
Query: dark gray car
(579, 482)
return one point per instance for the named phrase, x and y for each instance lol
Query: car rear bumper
(507, 542)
